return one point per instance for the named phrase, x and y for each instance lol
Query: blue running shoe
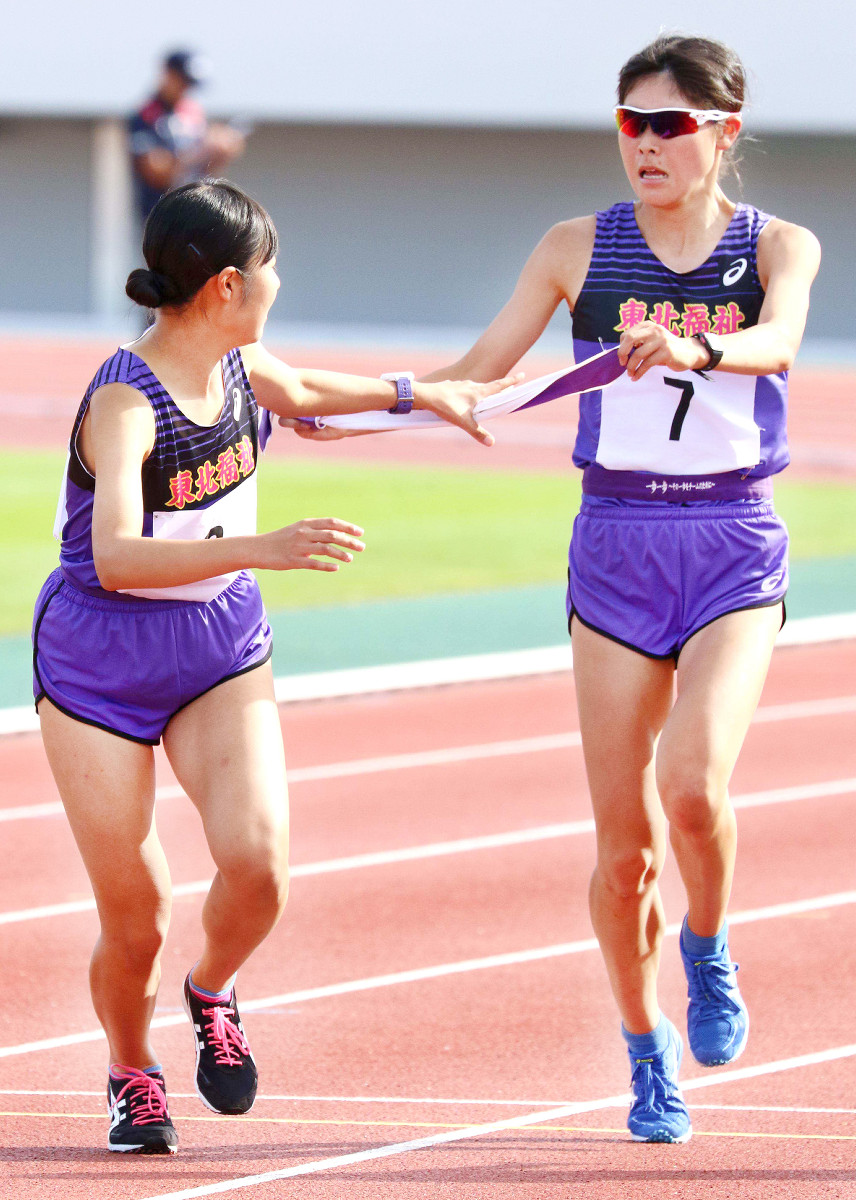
(717, 1020)
(658, 1112)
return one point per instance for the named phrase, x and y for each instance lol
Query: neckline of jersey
(738, 208)
(196, 424)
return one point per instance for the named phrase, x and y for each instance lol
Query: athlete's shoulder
(569, 240)
(787, 233)
(123, 367)
(783, 245)
(562, 256)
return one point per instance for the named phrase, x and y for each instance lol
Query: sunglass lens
(667, 123)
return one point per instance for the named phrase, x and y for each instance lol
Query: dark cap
(192, 67)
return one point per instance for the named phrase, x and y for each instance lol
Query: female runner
(678, 562)
(153, 627)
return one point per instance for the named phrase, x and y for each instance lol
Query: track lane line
(490, 841)
(351, 1122)
(835, 787)
(477, 1131)
(273, 1098)
(797, 711)
(440, 971)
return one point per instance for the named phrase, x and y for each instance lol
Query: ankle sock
(217, 997)
(703, 947)
(120, 1071)
(654, 1042)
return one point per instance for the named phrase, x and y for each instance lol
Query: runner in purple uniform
(153, 627)
(678, 562)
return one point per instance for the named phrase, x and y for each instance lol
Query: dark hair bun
(150, 288)
(191, 234)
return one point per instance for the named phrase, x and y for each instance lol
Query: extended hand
(648, 345)
(307, 544)
(454, 401)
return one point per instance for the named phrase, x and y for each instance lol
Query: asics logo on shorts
(736, 271)
(772, 581)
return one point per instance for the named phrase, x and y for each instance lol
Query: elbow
(108, 569)
(785, 356)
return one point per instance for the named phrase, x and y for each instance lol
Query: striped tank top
(727, 422)
(198, 482)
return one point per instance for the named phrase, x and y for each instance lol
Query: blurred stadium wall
(410, 155)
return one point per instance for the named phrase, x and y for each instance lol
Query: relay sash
(592, 375)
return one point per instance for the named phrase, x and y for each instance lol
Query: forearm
(328, 393)
(475, 365)
(139, 562)
(511, 335)
(765, 349)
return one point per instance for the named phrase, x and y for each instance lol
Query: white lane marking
(433, 758)
(797, 711)
(771, 1108)
(491, 841)
(477, 1131)
(419, 974)
(471, 668)
(446, 1102)
(801, 710)
(361, 766)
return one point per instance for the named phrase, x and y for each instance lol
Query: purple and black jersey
(198, 482)
(670, 423)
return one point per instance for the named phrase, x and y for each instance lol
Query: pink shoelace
(229, 1044)
(146, 1097)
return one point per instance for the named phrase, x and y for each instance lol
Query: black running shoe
(139, 1121)
(226, 1076)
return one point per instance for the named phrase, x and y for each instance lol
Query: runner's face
(666, 171)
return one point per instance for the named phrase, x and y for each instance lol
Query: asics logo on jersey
(772, 581)
(736, 271)
(236, 403)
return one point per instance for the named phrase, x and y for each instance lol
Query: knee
(628, 871)
(693, 803)
(138, 946)
(260, 873)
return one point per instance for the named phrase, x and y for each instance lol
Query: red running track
(408, 998)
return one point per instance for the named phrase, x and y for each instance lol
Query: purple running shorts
(649, 576)
(128, 665)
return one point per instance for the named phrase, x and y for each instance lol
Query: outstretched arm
(555, 271)
(293, 392)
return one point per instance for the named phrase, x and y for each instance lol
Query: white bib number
(679, 424)
(229, 516)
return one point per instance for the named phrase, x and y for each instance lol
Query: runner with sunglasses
(678, 562)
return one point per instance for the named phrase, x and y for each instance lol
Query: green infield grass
(428, 530)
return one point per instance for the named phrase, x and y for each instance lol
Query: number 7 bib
(679, 424)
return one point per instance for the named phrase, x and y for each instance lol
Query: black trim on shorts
(673, 654)
(740, 608)
(36, 673)
(233, 675)
(129, 737)
(619, 641)
(43, 694)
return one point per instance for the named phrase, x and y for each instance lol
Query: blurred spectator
(170, 139)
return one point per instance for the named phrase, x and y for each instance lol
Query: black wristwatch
(713, 350)
(403, 381)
